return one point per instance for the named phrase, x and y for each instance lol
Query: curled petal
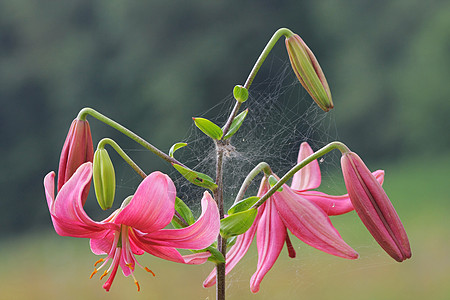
(152, 206)
(68, 215)
(270, 239)
(308, 177)
(196, 258)
(310, 224)
(199, 235)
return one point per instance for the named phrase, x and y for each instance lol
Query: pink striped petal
(308, 177)
(196, 258)
(152, 206)
(68, 215)
(270, 239)
(310, 224)
(199, 235)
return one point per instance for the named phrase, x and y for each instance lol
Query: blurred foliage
(152, 65)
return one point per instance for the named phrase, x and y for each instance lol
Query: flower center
(121, 253)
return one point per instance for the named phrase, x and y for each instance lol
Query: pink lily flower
(134, 228)
(303, 212)
(78, 149)
(374, 207)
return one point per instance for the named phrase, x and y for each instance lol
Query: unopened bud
(240, 93)
(104, 179)
(309, 72)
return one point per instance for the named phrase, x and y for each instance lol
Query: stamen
(290, 248)
(150, 271)
(98, 261)
(104, 274)
(130, 265)
(93, 273)
(137, 284)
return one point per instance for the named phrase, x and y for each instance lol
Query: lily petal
(270, 238)
(335, 205)
(199, 235)
(309, 176)
(68, 215)
(152, 206)
(310, 224)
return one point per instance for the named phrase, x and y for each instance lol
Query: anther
(99, 261)
(93, 273)
(150, 271)
(103, 275)
(130, 265)
(137, 284)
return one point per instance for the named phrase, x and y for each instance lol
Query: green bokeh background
(152, 65)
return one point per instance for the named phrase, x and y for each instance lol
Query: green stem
(331, 146)
(126, 158)
(89, 111)
(262, 166)
(262, 57)
(273, 40)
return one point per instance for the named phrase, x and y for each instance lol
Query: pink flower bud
(309, 72)
(374, 207)
(77, 149)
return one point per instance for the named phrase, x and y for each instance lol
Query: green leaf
(185, 212)
(236, 124)
(175, 147)
(243, 205)
(209, 128)
(216, 256)
(238, 223)
(273, 181)
(196, 178)
(231, 241)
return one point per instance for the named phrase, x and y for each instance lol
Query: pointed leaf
(236, 124)
(209, 128)
(273, 181)
(196, 178)
(243, 205)
(184, 212)
(238, 223)
(175, 147)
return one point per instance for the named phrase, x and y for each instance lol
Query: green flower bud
(240, 93)
(104, 179)
(309, 72)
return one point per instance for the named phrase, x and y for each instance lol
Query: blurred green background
(152, 65)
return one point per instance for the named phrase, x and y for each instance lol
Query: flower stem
(262, 57)
(221, 242)
(331, 146)
(262, 166)
(126, 158)
(89, 111)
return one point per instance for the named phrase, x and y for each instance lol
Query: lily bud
(309, 72)
(77, 150)
(104, 179)
(374, 207)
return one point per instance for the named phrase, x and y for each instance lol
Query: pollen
(137, 284)
(93, 273)
(130, 265)
(150, 271)
(103, 275)
(99, 261)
